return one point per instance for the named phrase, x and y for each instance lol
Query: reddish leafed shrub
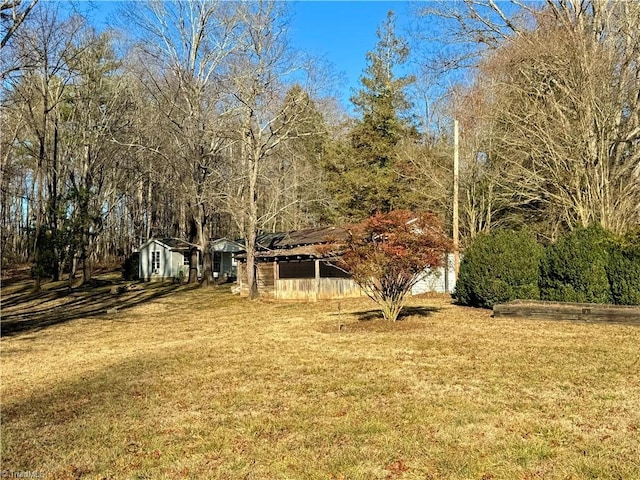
(387, 253)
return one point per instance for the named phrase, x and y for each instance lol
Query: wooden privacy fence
(586, 312)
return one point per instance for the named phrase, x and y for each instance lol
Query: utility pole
(456, 233)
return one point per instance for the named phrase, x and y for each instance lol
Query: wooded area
(200, 120)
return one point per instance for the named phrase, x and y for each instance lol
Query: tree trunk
(53, 207)
(193, 265)
(87, 268)
(83, 214)
(252, 277)
(61, 265)
(74, 265)
(207, 273)
(37, 244)
(252, 226)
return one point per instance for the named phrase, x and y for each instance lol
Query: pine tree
(369, 182)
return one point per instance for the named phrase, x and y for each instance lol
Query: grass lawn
(197, 383)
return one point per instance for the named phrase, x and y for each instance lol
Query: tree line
(200, 120)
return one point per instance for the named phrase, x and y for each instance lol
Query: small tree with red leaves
(388, 253)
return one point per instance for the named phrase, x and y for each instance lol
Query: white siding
(171, 263)
(177, 265)
(440, 280)
(143, 264)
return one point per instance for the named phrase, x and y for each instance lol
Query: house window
(187, 258)
(155, 262)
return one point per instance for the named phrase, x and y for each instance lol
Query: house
(164, 259)
(292, 266)
(295, 266)
(222, 253)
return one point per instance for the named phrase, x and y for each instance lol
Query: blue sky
(341, 32)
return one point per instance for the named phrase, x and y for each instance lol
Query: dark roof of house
(311, 236)
(267, 241)
(299, 243)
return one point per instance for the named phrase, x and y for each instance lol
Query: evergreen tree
(368, 182)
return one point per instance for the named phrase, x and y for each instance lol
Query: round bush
(575, 267)
(623, 271)
(130, 266)
(499, 267)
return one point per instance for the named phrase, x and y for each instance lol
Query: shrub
(130, 267)
(386, 253)
(45, 262)
(499, 267)
(623, 271)
(575, 267)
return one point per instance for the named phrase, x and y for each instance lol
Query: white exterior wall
(177, 265)
(143, 264)
(166, 262)
(440, 280)
(171, 263)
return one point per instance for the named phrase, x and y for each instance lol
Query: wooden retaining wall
(585, 312)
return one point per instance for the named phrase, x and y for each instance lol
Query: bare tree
(557, 135)
(566, 124)
(183, 50)
(14, 201)
(66, 105)
(97, 112)
(465, 30)
(12, 14)
(265, 116)
(45, 47)
(293, 194)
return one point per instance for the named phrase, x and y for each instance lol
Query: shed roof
(176, 244)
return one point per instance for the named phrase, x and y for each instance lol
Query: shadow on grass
(25, 311)
(369, 315)
(81, 416)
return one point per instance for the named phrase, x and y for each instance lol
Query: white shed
(164, 259)
(439, 280)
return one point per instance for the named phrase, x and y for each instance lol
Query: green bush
(575, 267)
(499, 267)
(130, 267)
(45, 263)
(623, 271)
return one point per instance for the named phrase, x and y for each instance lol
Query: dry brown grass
(202, 384)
